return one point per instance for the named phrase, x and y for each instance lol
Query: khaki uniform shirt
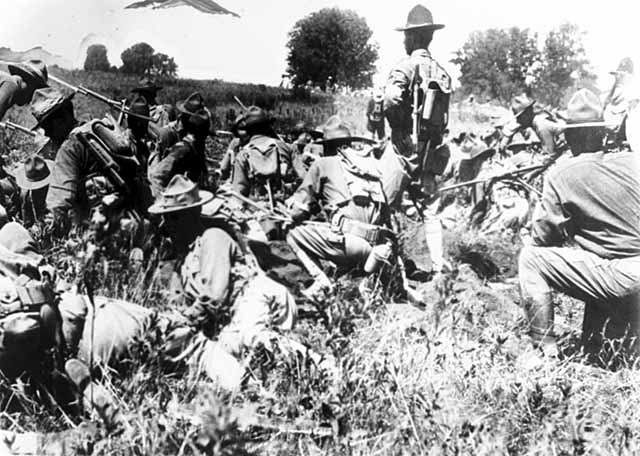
(8, 90)
(593, 199)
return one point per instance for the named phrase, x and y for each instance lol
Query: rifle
(415, 114)
(506, 174)
(242, 105)
(17, 127)
(272, 214)
(113, 103)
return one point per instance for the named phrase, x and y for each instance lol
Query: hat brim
(30, 78)
(44, 118)
(346, 140)
(420, 26)
(26, 184)
(204, 195)
(154, 89)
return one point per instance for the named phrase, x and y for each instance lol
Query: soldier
(230, 301)
(585, 229)
(545, 127)
(33, 179)
(187, 156)
(240, 139)
(138, 130)
(97, 149)
(161, 114)
(405, 160)
(17, 87)
(264, 163)
(375, 114)
(620, 98)
(346, 183)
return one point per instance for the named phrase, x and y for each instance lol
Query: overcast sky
(252, 48)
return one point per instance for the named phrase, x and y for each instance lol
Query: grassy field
(455, 376)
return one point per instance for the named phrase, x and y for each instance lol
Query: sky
(252, 48)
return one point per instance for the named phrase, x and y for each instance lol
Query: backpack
(263, 158)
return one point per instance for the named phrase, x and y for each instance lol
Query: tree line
(140, 59)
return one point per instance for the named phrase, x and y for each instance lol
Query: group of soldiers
(331, 194)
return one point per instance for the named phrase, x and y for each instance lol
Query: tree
(494, 63)
(565, 66)
(332, 42)
(96, 59)
(138, 59)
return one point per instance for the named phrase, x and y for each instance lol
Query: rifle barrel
(88, 92)
(516, 171)
(17, 127)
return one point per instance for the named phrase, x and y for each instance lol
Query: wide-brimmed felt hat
(194, 107)
(624, 67)
(306, 127)
(584, 110)
(146, 84)
(180, 194)
(46, 102)
(140, 106)
(255, 116)
(472, 148)
(335, 130)
(34, 174)
(419, 18)
(520, 104)
(33, 72)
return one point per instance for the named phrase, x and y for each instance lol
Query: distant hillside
(36, 53)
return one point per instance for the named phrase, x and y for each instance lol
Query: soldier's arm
(396, 95)
(547, 131)
(8, 90)
(304, 201)
(216, 259)
(66, 175)
(161, 172)
(240, 181)
(550, 223)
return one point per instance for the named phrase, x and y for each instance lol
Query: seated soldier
(230, 301)
(544, 126)
(161, 114)
(187, 156)
(346, 183)
(592, 201)
(305, 148)
(97, 152)
(263, 165)
(42, 338)
(33, 179)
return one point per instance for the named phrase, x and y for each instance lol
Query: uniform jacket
(546, 128)
(594, 200)
(184, 157)
(329, 185)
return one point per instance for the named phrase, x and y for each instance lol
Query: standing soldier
(375, 114)
(416, 105)
(187, 156)
(161, 114)
(17, 87)
(620, 98)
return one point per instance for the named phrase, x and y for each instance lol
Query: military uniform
(593, 202)
(33, 73)
(546, 128)
(239, 302)
(184, 157)
(349, 189)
